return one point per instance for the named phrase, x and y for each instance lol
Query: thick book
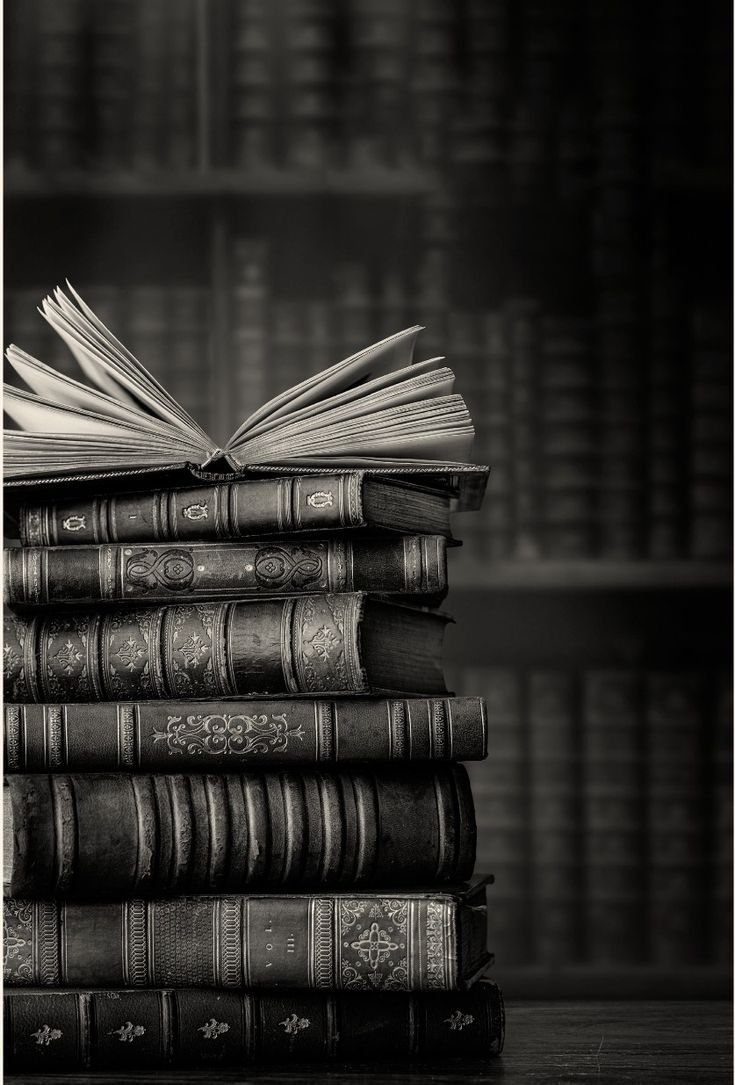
(230, 510)
(425, 940)
(376, 408)
(228, 736)
(190, 1029)
(310, 645)
(414, 566)
(112, 834)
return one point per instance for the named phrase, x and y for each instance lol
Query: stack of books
(236, 827)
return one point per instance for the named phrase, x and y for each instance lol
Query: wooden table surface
(603, 1043)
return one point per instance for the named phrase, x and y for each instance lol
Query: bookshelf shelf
(219, 183)
(585, 981)
(590, 575)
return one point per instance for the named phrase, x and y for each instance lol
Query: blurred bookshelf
(249, 190)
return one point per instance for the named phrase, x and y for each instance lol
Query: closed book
(427, 940)
(227, 736)
(231, 510)
(310, 644)
(115, 834)
(412, 565)
(192, 1029)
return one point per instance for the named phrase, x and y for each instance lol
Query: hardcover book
(412, 565)
(133, 1030)
(116, 834)
(230, 510)
(309, 645)
(432, 940)
(229, 736)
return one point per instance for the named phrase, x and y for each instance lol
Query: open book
(377, 408)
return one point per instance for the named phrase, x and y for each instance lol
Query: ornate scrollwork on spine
(376, 931)
(325, 644)
(18, 942)
(276, 568)
(147, 570)
(49, 955)
(227, 735)
(12, 738)
(31, 526)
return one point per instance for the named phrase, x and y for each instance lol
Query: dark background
(247, 191)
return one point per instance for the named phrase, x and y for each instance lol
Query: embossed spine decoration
(308, 645)
(224, 736)
(198, 833)
(361, 944)
(414, 565)
(188, 1029)
(223, 511)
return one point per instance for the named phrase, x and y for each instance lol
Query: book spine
(117, 834)
(360, 943)
(200, 650)
(227, 736)
(126, 1030)
(225, 511)
(412, 565)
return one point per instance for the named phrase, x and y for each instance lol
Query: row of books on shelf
(314, 86)
(609, 435)
(605, 812)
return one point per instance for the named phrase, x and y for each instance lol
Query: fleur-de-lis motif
(323, 642)
(374, 946)
(74, 523)
(68, 656)
(128, 1032)
(293, 1024)
(213, 1028)
(11, 657)
(321, 499)
(193, 649)
(198, 511)
(46, 1035)
(129, 651)
(458, 1020)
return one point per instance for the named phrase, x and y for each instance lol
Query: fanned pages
(377, 408)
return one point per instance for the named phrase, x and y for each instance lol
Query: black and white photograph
(368, 542)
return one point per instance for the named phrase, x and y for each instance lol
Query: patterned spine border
(135, 943)
(126, 720)
(399, 732)
(321, 947)
(229, 944)
(437, 962)
(354, 495)
(12, 738)
(54, 735)
(326, 731)
(47, 924)
(438, 733)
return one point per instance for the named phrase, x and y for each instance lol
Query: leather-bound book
(399, 940)
(115, 834)
(229, 736)
(190, 1029)
(411, 565)
(305, 645)
(248, 508)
